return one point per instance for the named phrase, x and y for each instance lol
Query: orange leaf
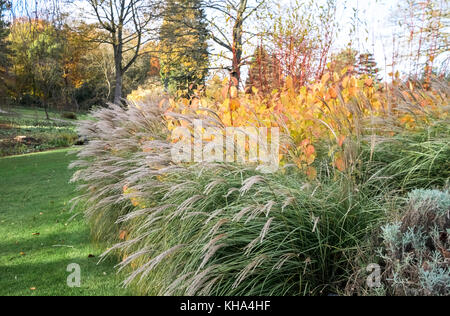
(339, 162)
(310, 150)
(305, 142)
(341, 140)
(333, 93)
(123, 235)
(234, 104)
(311, 172)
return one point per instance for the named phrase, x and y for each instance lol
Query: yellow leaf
(336, 77)
(310, 159)
(325, 78)
(345, 82)
(233, 92)
(289, 83)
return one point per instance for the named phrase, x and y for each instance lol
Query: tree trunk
(237, 56)
(118, 88)
(237, 45)
(118, 56)
(236, 71)
(46, 110)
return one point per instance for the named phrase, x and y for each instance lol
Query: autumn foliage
(338, 107)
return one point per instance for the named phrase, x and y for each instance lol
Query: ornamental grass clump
(401, 156)
(408, 160)
(224, 230)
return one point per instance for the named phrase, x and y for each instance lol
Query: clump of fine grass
(385, 154)
(231, 231)
(414, 159)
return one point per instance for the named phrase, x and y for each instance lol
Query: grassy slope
(31, 122)
(38, 113)
(35, 184)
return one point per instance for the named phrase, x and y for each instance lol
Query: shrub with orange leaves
(331, 110)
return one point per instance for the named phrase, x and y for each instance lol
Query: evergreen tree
(263, 72)
(367, 65)
(183, 45)
(362, 64)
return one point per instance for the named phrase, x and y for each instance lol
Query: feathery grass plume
(113, 161)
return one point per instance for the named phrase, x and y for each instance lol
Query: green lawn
(37, 241)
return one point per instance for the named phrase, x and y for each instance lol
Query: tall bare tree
(236, 13)
(126, 25)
